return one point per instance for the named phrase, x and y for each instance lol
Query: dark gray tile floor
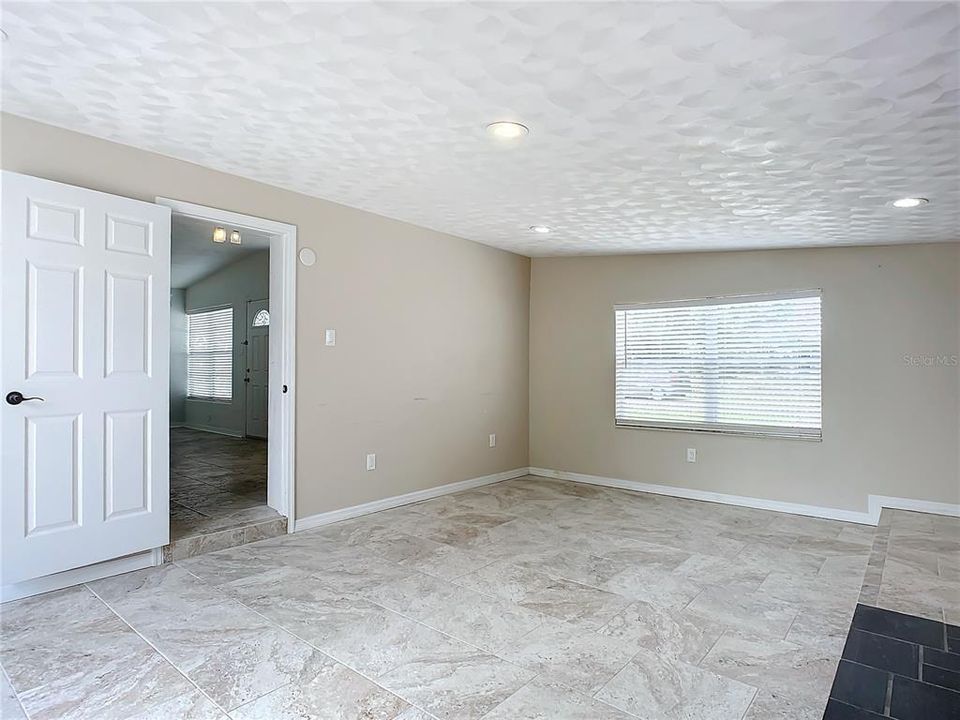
(217, 482)
(896, 665)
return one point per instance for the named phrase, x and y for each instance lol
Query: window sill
(771, 433)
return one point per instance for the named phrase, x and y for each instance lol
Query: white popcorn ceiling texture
(654, 127)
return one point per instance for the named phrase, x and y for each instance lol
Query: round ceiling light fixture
(539, 229)
(909, 202)
(506, 130)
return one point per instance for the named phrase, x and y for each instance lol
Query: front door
(83, 374)
(258, 364)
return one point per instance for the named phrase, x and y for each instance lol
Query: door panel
(127, 471)
(85, 326)
(54, 310)
(258, 364)
(128, 324)
(53, 473)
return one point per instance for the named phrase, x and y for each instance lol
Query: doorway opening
(231, 373)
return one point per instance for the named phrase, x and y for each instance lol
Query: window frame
(744, 430)
(202, 311)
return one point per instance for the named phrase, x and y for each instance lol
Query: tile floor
(899, 666)
(915, 566)
(531, 598)
(218, 493)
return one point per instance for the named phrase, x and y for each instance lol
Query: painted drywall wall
(432, 341)
(246, 279)
(178, 357)
(891, 410)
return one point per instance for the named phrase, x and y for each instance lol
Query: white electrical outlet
(691, 454)
(371, 461)
(330, 337)
(493, 439)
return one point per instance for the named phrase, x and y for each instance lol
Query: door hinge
(284, 388)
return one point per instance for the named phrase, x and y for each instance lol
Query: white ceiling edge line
(875, 503)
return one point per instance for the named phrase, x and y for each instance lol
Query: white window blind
(210, 354)
(745, 365)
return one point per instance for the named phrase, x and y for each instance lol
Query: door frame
(281, 410)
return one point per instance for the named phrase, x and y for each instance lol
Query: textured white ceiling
(194, 255)
(654, 126)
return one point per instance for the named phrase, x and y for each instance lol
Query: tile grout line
(888, 695)
(157, 650)
(16, 695)
(323, 652)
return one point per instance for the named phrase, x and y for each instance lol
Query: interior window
(747, 365)
(210, 354)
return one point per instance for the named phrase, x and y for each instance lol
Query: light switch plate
(371, 461)
(493, 439)
(691, 454)
(330, 337)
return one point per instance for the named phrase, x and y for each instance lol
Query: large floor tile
(655, 688)
(460, 683)
(557, 597)
(327, 690)
(801, 672)
(762, 615)
(10, 708)
(575, 657)
(665, 631)
(545, 700)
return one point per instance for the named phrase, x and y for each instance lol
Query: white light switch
(493, 439)
(330, 337)
(691, 454)
(371, 461)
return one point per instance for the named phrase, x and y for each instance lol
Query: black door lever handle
(15, 398)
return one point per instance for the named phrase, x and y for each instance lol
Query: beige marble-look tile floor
(915, 566)
(531, 598)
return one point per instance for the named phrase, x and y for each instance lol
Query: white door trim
(281, 438)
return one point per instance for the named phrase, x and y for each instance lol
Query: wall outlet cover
(691, 454)
(493, 439)
(371, 461)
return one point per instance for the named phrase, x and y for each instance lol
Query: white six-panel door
(85, 326)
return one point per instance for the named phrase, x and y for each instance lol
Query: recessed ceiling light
(235, 237)
(909, 202)
(540, 229)
(505, 130)
(219, 235)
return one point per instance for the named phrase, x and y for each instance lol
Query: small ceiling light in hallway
(506, 130)
(909, 202)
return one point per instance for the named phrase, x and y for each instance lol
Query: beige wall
(432, 341)
(889, 428)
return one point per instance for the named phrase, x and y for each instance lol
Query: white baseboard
(875, 503)
(211, 429)
(76, 576)
(878, 502)
(313, 521)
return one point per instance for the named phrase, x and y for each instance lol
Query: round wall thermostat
(307, 257)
